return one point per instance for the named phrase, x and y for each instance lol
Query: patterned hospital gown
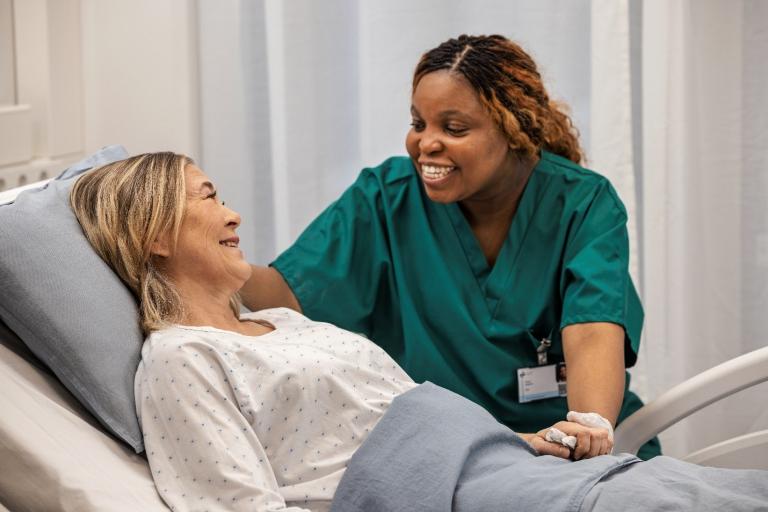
(234, 422)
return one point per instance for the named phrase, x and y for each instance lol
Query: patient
(272, 411)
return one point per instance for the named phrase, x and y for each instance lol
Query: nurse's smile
(435, 175)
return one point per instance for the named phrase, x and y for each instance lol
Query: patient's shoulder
(182, 344)
(279, 317)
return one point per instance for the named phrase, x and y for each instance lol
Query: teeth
(435, 172)
(228, 244)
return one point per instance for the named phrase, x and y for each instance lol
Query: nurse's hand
(590, 441)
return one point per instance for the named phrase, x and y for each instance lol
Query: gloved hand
(591, 419)
(586, 435)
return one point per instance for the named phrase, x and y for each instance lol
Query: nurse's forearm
(267, 289)
(594, 357)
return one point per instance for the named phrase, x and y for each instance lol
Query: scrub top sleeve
(595, 283)
(336, 265)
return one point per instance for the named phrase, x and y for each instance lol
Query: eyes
(451, 127)
(214, 195)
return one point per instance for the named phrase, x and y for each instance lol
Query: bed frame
(749, 451)
(55, 456)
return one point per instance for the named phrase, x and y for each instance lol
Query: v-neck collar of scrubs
(492, 282)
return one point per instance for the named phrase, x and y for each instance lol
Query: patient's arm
(267, 289)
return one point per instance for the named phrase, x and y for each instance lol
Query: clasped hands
(591, 433)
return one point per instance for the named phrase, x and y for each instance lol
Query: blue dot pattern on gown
(234, 422)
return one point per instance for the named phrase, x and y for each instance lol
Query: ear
(160, 247)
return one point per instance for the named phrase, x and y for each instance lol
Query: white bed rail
(688, 397)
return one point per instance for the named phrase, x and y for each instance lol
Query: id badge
(540, 382)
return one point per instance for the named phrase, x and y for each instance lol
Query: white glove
(591, 419)
(554, 435)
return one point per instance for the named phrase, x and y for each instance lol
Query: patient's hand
(544, 447)
(591, 441)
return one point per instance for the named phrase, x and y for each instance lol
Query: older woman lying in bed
(272, 411)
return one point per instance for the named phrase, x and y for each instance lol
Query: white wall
(42, 128)
(91, 73)
(7, 74)
(140, 75)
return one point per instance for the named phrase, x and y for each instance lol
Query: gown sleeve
(202, 451)
(340, 266)
(595, 283)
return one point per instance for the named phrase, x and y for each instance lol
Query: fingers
(607, 446)
(544, 447)
(591, 442)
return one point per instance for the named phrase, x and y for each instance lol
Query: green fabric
(385, 261)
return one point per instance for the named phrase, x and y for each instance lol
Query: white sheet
(53, 455)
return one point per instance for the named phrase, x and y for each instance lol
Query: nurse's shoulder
(578, 185)
(394, 172)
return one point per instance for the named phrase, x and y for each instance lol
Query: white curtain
(297, 96)
(705, 201)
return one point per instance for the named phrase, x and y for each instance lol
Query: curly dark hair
(510, 88)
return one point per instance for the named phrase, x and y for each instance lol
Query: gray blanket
(436, 451)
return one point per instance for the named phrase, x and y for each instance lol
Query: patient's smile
(231, 242)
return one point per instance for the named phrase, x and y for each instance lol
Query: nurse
(489, 262)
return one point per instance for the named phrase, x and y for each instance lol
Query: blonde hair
(123, 207)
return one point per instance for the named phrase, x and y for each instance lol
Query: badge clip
(541, 350)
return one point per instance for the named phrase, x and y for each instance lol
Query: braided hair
(511, 90)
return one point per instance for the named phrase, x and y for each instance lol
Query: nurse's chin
(441, 196)
(440, 189)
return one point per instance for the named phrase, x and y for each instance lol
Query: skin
(451, 129)
(205, 272)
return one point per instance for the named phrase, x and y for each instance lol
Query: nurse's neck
(490, 215)
(499, 203)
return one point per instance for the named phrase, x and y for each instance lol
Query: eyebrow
(208, 185)
(445, 113)
(457, 113)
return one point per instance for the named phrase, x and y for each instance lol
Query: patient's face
(207, 250)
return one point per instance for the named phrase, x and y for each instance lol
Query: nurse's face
(459, 152)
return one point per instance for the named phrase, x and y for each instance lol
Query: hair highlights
(510, 88)
(123, 207)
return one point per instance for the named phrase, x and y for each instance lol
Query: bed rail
(689, 396)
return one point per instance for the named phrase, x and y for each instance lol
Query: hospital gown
(234, 422)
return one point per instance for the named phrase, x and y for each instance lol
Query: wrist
(591, 419)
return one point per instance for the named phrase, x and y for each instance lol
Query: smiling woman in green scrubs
(488, 260)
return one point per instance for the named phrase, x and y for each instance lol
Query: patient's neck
(209, 306)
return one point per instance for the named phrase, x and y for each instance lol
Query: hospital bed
(55, 456)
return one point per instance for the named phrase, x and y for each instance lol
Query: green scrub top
(386, 261)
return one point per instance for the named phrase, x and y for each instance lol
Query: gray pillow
(67, 305)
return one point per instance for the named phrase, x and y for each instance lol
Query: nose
(430, 143)
(233, 218)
